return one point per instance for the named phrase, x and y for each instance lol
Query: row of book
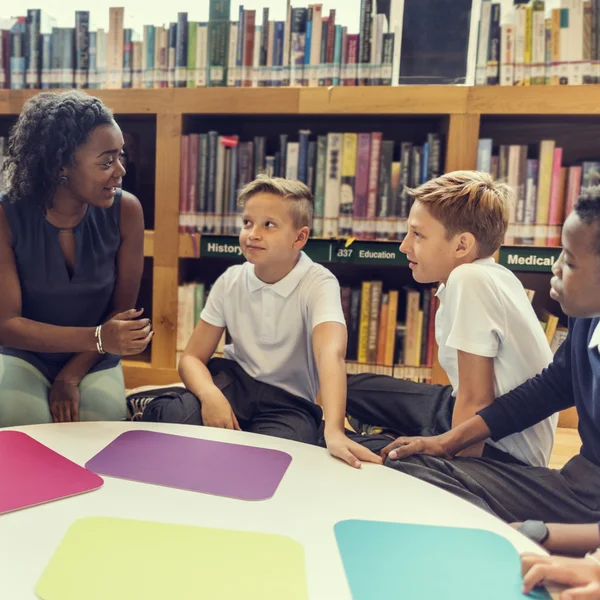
(538, 43)
(545, 189)
(380, 340)
(359, 180)
(308, 48)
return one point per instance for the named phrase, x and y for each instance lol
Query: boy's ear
(465, 244)
(302, 238)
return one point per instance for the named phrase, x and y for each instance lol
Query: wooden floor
(566, 445)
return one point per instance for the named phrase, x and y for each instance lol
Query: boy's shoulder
(233, 275)
(481, 273)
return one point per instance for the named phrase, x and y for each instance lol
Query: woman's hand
(64, 401)
(125, 334)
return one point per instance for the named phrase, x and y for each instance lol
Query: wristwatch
(535, 530)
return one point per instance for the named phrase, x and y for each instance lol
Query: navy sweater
(573, 378)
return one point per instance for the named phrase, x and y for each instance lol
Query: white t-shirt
(271, 325)
(484, 310)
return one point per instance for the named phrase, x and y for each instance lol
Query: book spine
(249, 33)
(364, 50)
(263, 49)
(387, 58)
(191, 66)
(374, 160)
(315, 45)
(350, 147)
(240, 47)
(351, 72)
(333, 181)
(32, 80)
(218, 41)
(82, 48)
(538, 51)
(127, 58)
(493, 53)
(365, 311)
(319, 211)
(330, 48)
(303, 136)
(115, 48)
(384, 229)
(361, 195)
(181, 50)
(202, 55)
(483, 42)
(234, 33)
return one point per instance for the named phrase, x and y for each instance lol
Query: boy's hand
(340, 446)
(403, 447)
(217, 412)
(580, 575)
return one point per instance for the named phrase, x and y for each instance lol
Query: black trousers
(496, 482)
(258, 407)
(403, 408)
(515, 492)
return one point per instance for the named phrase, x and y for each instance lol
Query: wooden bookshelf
(461, 110)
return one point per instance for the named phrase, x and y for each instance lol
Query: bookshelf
(460, 110)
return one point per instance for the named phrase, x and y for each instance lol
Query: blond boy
(489, 338)
(288, 335)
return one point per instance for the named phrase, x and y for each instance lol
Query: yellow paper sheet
(120, 559)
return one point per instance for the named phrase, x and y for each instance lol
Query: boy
(517, 492)
(489, 338)
(284, 315)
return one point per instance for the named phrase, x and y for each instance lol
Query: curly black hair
(587, 209)
(44, 139)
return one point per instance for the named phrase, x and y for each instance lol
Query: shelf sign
(521, 258)
(216, 246)
(369, 253)
(321, 251)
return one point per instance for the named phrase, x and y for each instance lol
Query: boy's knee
(179, 408)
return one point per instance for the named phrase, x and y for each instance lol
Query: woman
(71, 260)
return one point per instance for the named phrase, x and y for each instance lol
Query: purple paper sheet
(218, 468)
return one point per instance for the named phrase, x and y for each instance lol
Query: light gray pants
(24, 394)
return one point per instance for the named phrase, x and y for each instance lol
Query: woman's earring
(63, 180)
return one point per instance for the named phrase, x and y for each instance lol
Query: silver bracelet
(593, 557)
(98, 336)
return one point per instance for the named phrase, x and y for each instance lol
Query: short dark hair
(587, 209)
(44, 139)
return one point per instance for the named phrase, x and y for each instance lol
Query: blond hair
(469, 201)
(296, 192)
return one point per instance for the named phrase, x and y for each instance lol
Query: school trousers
(259, 407)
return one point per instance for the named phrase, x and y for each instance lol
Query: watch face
(535, 530)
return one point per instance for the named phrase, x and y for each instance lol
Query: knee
(18, 409)
(102, 399)
(97, 405)
(178, 408)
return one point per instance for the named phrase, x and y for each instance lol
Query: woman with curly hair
(71, 260)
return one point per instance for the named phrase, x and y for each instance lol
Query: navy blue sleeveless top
(48, 293)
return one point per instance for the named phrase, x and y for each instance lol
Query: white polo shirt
(271, 324)
(484, 310)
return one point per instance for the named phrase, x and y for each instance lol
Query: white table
(317, 491)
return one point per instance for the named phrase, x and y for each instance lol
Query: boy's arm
(475, 392)
(329, 347)
(216, 410)
(574, 540)
(531, 402)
